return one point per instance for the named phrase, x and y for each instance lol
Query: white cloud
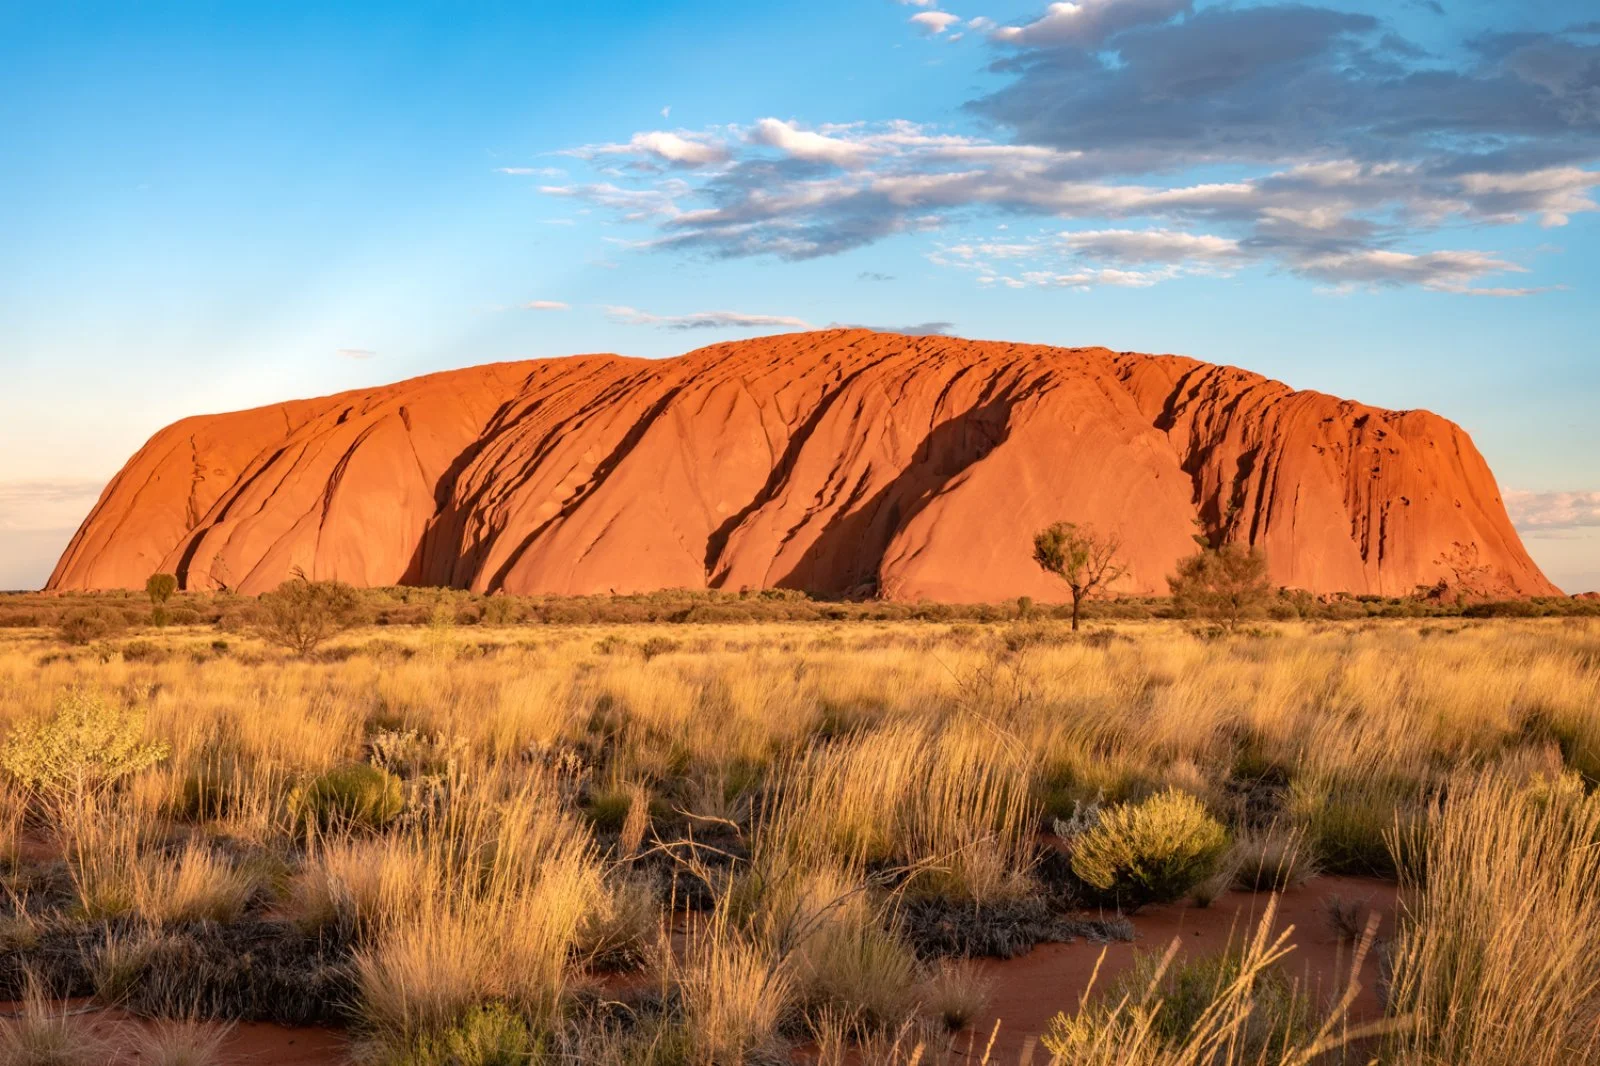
(632, 205)
(1452, 271)
(806, 145)
(1089, 22)
(355, 353)
(545, 305)
(1539, 511)
(543, 172)
(1553, 193)
(1151, 246)
(703, 320)
(681, 148)
(1088, 279)
(934, 21)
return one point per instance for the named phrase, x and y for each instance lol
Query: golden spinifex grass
(1498, 957)
(755, 820)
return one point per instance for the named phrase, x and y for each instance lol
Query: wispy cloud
(34, 506)
(921, 329)
(542, 172)
(355, 353)
(545, 305)
(1537, 512)
(630, 316)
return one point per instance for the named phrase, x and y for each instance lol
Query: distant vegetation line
(106, 613)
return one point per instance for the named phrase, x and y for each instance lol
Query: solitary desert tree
(1225, 585)
(160, 588)
(1084, 559)
(300, 613)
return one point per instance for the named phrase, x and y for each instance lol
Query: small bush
(357, 794)
(82, 626)
(485, 1036)
(1347, 823)
(1151, 852)
(301, 614)
(86, 748)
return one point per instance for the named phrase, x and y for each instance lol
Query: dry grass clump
(1272, 859)
(736, 989)
(1498, 954)
(949, 806)
(505, 881)
(954, 994)
(182, 1042)
(46, 1034)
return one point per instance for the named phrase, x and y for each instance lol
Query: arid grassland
(775, 841)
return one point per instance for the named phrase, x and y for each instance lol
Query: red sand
(843, 462)
(1028, 991)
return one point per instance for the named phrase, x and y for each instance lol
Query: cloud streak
(630, 316)
(42, 506)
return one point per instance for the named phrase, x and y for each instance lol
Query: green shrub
(486, 1036)
(357, 794)
(1150, 852)
(86, 748)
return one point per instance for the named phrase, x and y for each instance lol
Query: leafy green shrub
(357, 794)
(1150, 852)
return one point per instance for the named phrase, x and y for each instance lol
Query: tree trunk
(1077, 598)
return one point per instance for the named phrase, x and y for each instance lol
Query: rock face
(846, 463)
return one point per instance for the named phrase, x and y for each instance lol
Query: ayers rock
(846, 463)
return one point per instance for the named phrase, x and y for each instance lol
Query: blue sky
(213, 206)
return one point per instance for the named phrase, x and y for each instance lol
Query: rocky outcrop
(846, 463)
